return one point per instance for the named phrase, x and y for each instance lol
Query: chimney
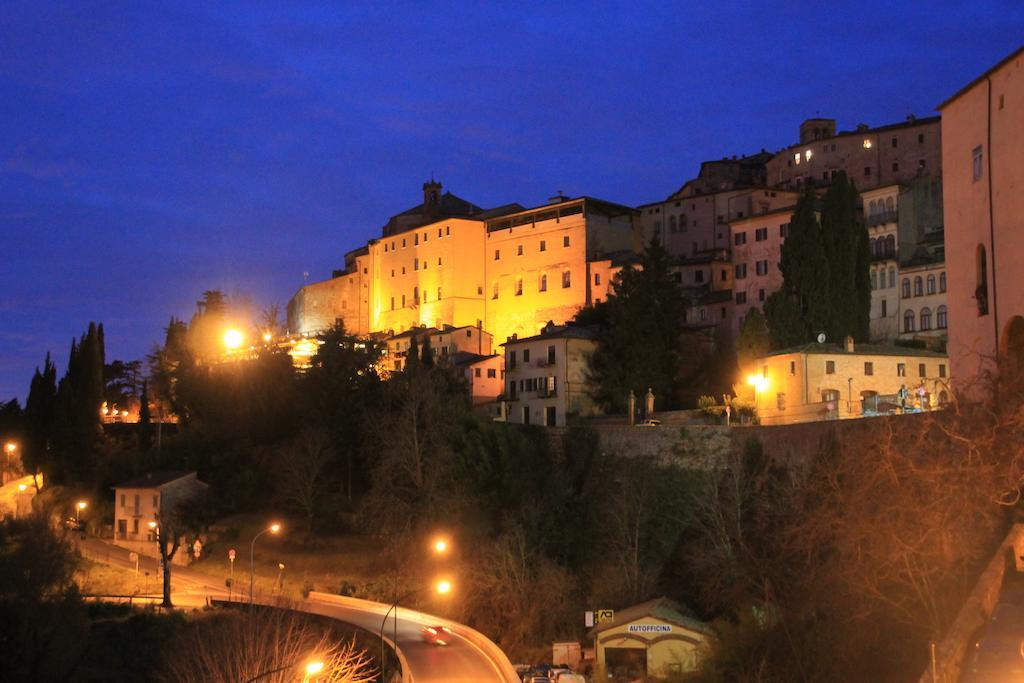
(558, 198)
(849, 344)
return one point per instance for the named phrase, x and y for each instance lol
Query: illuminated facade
(507, 274)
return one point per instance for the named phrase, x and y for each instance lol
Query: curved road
(470, 658)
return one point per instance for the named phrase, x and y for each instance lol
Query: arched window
(908, 321)
(926, 319)
(892, 278)
(981, 290)
(872, 208)
(874, 279)
(942, 282)
(918, 286)
(890, 205)
(906, 288)
(543, 282)
(931, 284)
(874, 246)
(890, 246)
(940, 317)
(671, 223)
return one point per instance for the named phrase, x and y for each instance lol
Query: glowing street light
(272, 529)
(79, 506)
(22, 488)
(443, 587)
(267, 336)
(312, 669)
(760, 384)
(233, 338)
(440, 546)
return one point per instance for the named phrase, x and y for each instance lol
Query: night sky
(148, 154)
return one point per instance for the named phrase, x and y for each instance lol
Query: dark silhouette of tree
(145, 419)
(753, 341)
(639, 333)
(40, 413)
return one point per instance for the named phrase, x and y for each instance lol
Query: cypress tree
(40, 411)
(427, 354)
(845, 241)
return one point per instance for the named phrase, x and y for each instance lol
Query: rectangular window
(741, 271)
(122, 500)
(551, 355)
(519, 286)
(392, 303)
(920, 138)
(438, 293)
(739, 238)
(942, 369)
(830, 367)
(495, 294)
(511, 360)
(761, 267)
(885, 313)
(566, 279)
(543, 285)
(416, 239)
(760, 295)
(922, 370)
(497, 254)
(476, 372)
(491, 373)
(438, 260)
(565, 241)
(894, 143)
(783, 230)
(741, 297)
(792, 367)
(901, 369)
(698, 276)
(155, 506)
(543, 245)
(976, 162)
(867, 171)
(415, 264)
(519, 250)
(526, 356)
(597, 278)
(761, 234)
(895, 167)
(439, 232)
(869, 368)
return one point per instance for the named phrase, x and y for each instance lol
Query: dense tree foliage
(825, 262)
(640, 333)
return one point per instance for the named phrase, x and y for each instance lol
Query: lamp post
(79, 506)
(442, 587)
(760, 384)
(273, 529)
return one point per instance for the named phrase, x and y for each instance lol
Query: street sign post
(231, 558)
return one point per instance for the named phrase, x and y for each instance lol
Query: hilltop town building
(829, 381)
(546, 376)
(507, 271)
(982, 149)
(871, 157)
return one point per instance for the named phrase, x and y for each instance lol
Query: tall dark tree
(639, 333)
(40, 412)
(77, 423)
(847, 248)
(803, 301)
(427, 353)
(753, 341)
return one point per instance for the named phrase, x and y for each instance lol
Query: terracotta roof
(659, 608)
(815, 348)
(151, 480)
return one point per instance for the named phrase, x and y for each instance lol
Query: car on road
(649, 423)
(436, 635)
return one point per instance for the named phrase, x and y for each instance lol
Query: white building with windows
(546, 376)
(881, 219)
(923, 313)
(139, 505)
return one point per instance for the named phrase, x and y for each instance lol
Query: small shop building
(654, 638)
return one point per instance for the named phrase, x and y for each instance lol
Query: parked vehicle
(649, 423)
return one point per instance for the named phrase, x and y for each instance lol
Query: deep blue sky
(149, 153)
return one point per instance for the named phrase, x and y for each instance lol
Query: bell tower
(431, 198)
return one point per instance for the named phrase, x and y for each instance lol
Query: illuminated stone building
(871, 157)
(507, 271)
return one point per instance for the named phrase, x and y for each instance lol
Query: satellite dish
(821, 338)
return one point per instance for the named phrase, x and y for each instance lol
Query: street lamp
(760, 384)
(273, 529)
(9, 448)
(312, 668)
(233, 338)
(267, 336)
(440, 545)
(442, 587)
(79, 506)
